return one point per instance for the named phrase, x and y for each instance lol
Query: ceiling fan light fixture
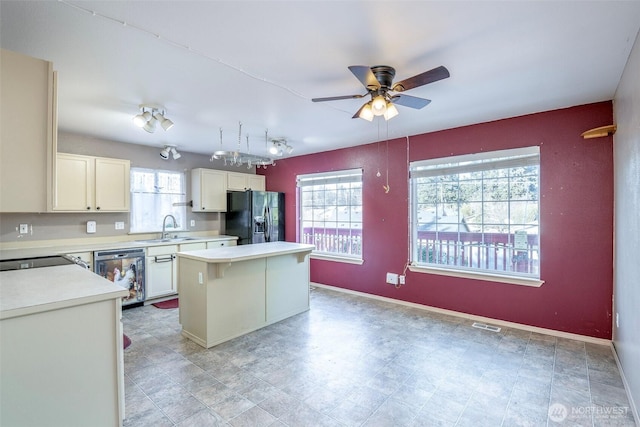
(391, 111)
(366, 112)
(379, 105)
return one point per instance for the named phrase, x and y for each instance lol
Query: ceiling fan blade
(337, 98)
(427, 77)
(366, 76)
(410, 101)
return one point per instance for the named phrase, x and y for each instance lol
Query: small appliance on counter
(255, 216)
(124, 267)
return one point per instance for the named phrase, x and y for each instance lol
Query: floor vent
(487, 327)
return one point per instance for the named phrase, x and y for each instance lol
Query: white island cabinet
(227, 292)
(61, 356)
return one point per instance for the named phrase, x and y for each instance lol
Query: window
(330, 213)
(477, 213)
(153, 195)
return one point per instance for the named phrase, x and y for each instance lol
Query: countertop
(61, 248)
(230, 254)
(37, 290)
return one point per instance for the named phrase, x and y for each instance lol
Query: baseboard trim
(632, 404)
(552, 332)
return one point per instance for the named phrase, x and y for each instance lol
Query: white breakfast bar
(227, 292)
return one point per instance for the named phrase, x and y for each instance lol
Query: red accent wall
(576, 223)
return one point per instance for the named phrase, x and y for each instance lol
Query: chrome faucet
(164, 225)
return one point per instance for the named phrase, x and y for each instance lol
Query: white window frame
(147, 214)
(351, 241)
(459, 165)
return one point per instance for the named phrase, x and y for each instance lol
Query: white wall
(626, 336)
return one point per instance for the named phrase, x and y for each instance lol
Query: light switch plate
(119, 225)
(91, 227)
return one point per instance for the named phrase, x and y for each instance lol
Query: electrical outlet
(402, 279)
(392, 278)
(91, 227)
(617, 320)
(193, 222)
(24, 228)
(119, 225)
(200, 278)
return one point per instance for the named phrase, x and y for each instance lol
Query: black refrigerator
(255, 216)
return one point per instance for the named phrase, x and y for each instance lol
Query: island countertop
(37, 290)
(230, 254)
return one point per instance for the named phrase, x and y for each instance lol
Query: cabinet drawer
(162, 250)
(220, 243)
(193, 246)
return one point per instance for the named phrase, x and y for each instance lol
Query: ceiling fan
(378, 80)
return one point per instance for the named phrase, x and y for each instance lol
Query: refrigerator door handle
(267, 224)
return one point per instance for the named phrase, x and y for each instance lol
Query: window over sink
(154, 194)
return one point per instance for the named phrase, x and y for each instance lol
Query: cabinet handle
(169, 259)
(98, 207)
(88, 207)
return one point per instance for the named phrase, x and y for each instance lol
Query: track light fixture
(150, 115)
(170, 149)
(279, 147)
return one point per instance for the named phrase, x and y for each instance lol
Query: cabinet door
(161, 270)
(74, 183)
(27, 131)
(112, 184)
(237, 181)
(209, 190)
(256, 182)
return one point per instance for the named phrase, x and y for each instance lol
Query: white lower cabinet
(162, 267)
(161, 271)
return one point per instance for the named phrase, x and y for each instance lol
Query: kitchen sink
(169, 240)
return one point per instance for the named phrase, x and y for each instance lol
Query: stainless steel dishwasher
(124, 267)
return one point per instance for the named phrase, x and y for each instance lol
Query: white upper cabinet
(95, 184)
(245, 181)
(209, 190)
(28, 128)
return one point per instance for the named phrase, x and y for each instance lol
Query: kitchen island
(227, 292)
(61, 357)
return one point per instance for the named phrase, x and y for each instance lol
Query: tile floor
(354, 361)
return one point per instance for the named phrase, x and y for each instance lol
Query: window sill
(512, 280)
(336, 258)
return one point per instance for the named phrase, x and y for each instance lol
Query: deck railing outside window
(341, 241)
(488, 251)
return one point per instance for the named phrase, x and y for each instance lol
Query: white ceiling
(213, 64)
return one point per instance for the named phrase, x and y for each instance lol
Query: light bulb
(366, 112)
(391, 112)
(379, 105)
